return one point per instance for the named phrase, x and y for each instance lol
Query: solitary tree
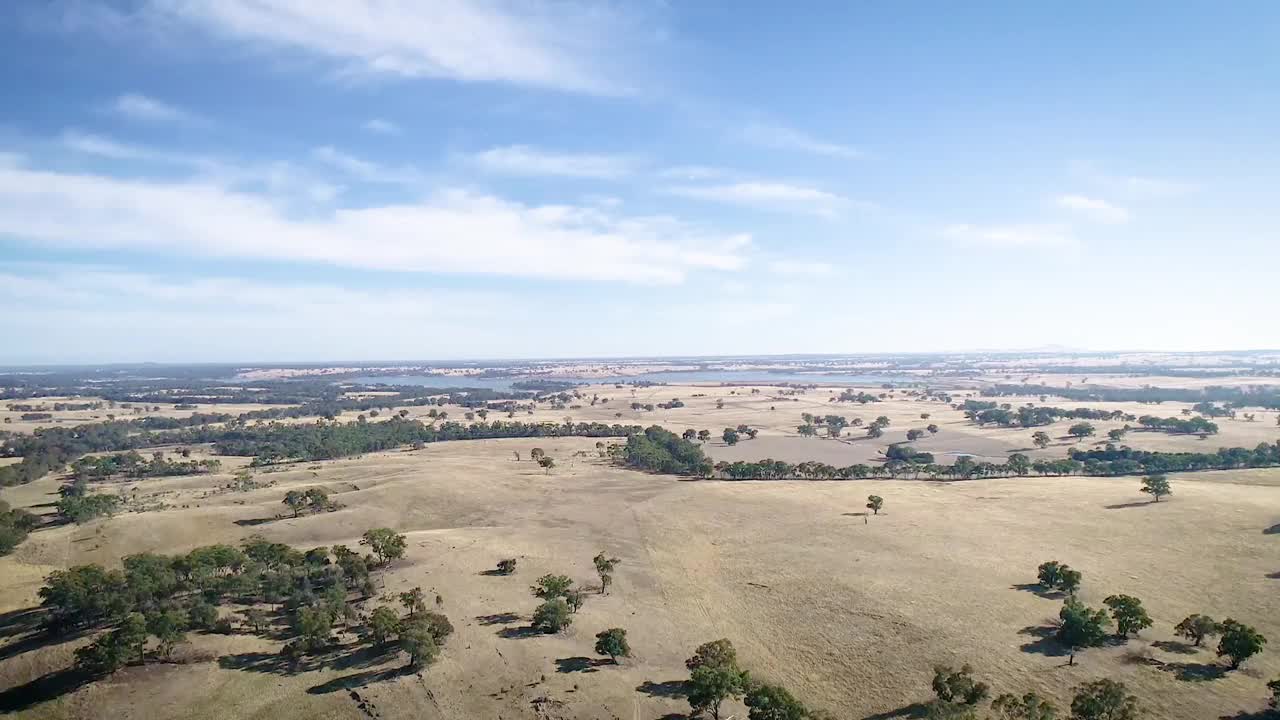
(536, 453)
(604, 568)
(717, 653)
(933, 429)
(613, 642)
(1081, 627)
(296, 500)
(1130, 616)
(1103, 699)
(772, 702)
(874, 503)
(552, 616)
(958, 686)
(507, 566)
(551, 586)
(385, 543)
(1197, 627)
(1080, 431)
(1157, 486)
(546, 463)
(704, 435)
(730, 436)
(1239, 642)
(1040, 439)
(914, 434)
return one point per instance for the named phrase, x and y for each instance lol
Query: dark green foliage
(1053, 575)
(1041, 439)
(202, 615)
(313, 625)
(83, 508)
(1028, 707)
(133, 465)
(167, 626)
(657, 450)
(417, 639)
(1197, 627)
(717, 653)
(1081, 431)
(383, 624)
(730, 436)
(14, 527)
(1274, 687)
(507, 566)
(1179, 426)
(1157, 486)
(906, 453)
(958, 686)
(711, 684)
(552, 586)
(384, 543)
(1081, 627)
(553, 615)
(1239, 642)
(875, 503)
(1129, 614)
(1104, 699)
(771, 702)
(613, 642)
(112, 650)
(84, 595)
(414, 601)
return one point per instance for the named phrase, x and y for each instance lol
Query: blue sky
(256, 180)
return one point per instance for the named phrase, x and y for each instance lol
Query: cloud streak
(1011, 236)
(560, 46)
(146, 109)
(531, 161)
(782, 138)
(767, 195)
(1095, 208)
(452, 231)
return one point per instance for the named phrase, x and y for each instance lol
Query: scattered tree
(1197, 627)
(604, 568)
(551, 586)
(1130, 616)
(417, 639)
(383, 624)
(546, 463)
(1157, 486)
(1040, 439)
(553, 615)
(1081, 627)
(958, 686)
(507, 566)
(717, 653)
(710, 685)
(1104, 699)
(1239, 642)
(414, 601)
(730, 436)
(613, 642)
(874, 503)
(385, 543)
(1081, 431)
(1028, 707)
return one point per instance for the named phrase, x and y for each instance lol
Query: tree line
(1249, 395)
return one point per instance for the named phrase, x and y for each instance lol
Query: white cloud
(804, 268)
(562, 46)
(382, 127)
(782, 138)
(141, 107)
(692, 173)
(770, 195)
(1095, 208)
(365, 170)
(451, 232)
(105, 147)
(1011, 236)
(1155, 187)
(526, 160)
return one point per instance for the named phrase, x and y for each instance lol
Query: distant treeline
(1252, 395)
(133, 465)
(657, 450)
(989, 413)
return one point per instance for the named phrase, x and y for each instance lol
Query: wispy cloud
(783, 138)
(802, 268)
(366, 170)
(105, 147)
(691, 173)
(766, 194)
(1152, 186)
(382, 127)
(453, 231)
(1011, 236)
(1095, 208)
(526, 160)
(146, 109)
(563, 46)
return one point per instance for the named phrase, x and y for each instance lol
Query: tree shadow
(522, 632)
(20, 622)
(505, 618)
(44, 688)
(255, 521)
(1246, 715)
(495, 572)
(910, 712)
(668, 689)
(1274, 576)
(360, 679)
(579, 664)
(1196, 672)
(37, 638)
(1175, 646)
(1136, 503)
(1046, 642)
(855, 514)
(1273, 530)
(1038, 590)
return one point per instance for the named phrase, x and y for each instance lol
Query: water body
(437, 381)
(670, 377)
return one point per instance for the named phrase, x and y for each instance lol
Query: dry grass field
(13, 422)
(849, 612)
